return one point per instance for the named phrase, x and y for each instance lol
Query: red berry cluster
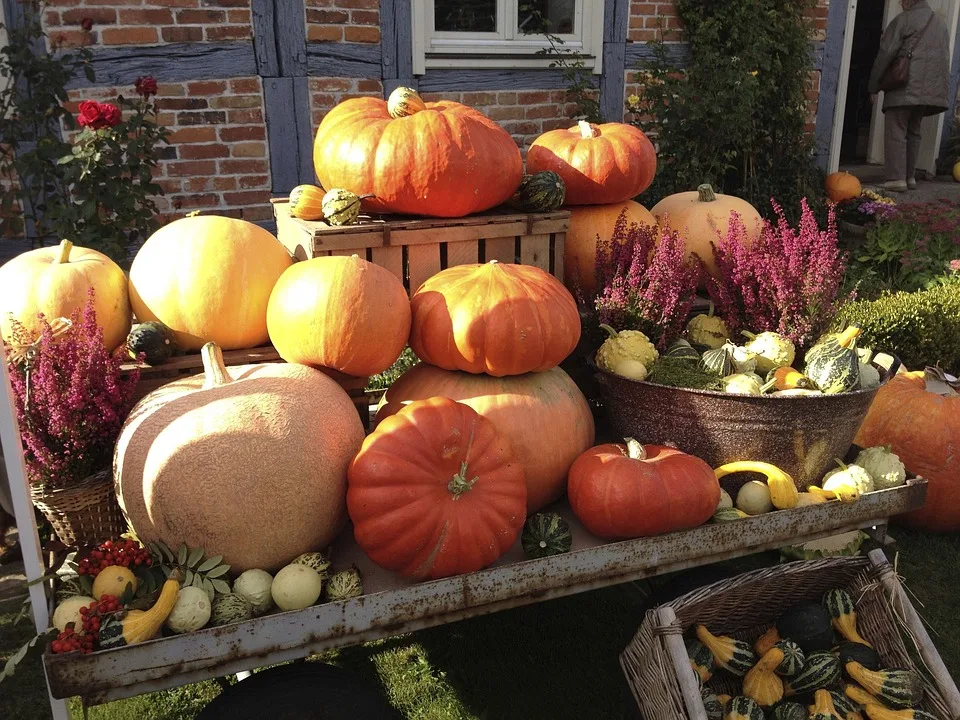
(91, 618)
(114, 552)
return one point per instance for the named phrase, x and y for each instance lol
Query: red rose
(111, 114)
(87, 24)
(96, 115)
(146, 86)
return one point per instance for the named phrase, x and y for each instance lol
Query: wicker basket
(85, 513)
(658, 670)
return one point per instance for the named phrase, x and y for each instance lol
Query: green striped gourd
(541, 192)
(732, 655)
(835, 367)
(742, 708)
(728, 515)
(545, 534)
(711, 704)
(341, 207)
(718, 362)
(793, 658)
(306, 202)
(857, 652)
(839, 603)
(680, 348)
(820, 671)
(823, 707)
(789, 711)
(701, 659)
(844, 705)
(897, 687)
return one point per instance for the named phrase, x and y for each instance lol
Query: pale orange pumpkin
(702, 216)
(342, 313)
(543, 414)
(599, 164)
(922, 428)
(56, 281)
(842, 186)
(587, 224)
(495, 318)
(208, 278)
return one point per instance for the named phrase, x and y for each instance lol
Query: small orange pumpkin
(306, 202)
(599, 164)
(842, 186)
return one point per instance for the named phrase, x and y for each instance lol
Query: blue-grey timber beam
(948, 120)
(830, 78)
(616, 18)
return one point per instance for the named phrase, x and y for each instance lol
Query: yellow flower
(633, 100)
(755, 73)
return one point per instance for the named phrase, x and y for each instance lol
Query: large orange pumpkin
(339, 312)
(587, 224)
(436, 491)
(250, 464)
(701, 216)
(599, 164)
(494, 318)
(56, 281)
(842, 186)
(923, 428)
(543, 414)
(442, 160)
(632, 490)
(208, 278)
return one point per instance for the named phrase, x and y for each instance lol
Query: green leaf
(188, 577)
(42, 579)
(197, 581)
(220, 586)
(127, 595)
(66, 159)
(196, 555)
(218, 571)
(182, 554)
(210, 563)
(167, 570)
(208, 586)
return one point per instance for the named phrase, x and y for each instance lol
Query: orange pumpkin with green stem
(842, 186)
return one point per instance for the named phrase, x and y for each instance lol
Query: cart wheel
(301, 691)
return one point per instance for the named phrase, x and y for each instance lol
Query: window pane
(465, 15)
(554, 16)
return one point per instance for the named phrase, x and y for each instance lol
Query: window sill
(500, 61)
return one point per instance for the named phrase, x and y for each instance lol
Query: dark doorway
(856, 118)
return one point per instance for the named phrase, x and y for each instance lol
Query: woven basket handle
(673, 642)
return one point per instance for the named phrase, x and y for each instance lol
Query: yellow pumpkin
(306, 202)
(956, 171)
(700, 215)
(250, 464)
(208, 278)
(55, 281)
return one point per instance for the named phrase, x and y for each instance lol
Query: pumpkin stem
(215, 372)
(65, 247)
(706, 193)
(609, 330)
(635, 451)
(748, 334)
(848, 336)
(710, 309)
(841, 463)
(588, 130)
(459, 485)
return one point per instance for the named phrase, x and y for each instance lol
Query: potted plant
(71, 399)
(857, 214)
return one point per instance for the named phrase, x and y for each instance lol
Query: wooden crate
(414, 249)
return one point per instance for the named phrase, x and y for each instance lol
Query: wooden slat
(502, 249)
(535, 250)
(390, 258)
(558, 241)
(292, 235)
(424, 262)
(174, 365)
(348, 253)
(461, 253)
(549, 225)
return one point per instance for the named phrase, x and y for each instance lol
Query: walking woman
(922, 38)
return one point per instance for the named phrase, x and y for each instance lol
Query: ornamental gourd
(435, 491)
(440, 159)
(494, 318)
(154, 340)
(137, 626)
(761, 683)
(599, 164)
(783, 490)
(341, 207)
(821, 670)
(840, 605)
(56, 281)
(540, 192)
(793, 658)
(823, 707)
(743, 708)
(701, 659)
(544, 414)
(197, 456)
(835, 365)
(208, 279)
(734, 656)
(926, 445)
(590, 225)
(632, 490)
(545, 534)
(343, 313)
(897, 687)
(306, 202)
(700, 215)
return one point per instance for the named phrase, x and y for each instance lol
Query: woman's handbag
(898, 73)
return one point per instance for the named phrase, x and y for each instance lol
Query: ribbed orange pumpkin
(55, 281)
(634, 490)
(494, 318)
(338, 312)
(445, 160)
(599, 164)
(213, 461)
(543, 414)
(923, 428)
(436, 491)
(587, 224)
(208, 278)
(306, 202)
(842, 186)
(701, 216)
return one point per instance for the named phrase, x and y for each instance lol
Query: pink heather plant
(646, 281)
(78, 401)
(787, 282)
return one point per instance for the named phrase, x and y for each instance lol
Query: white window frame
(505, 48)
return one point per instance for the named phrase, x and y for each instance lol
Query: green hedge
(921, 328)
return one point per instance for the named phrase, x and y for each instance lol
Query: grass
(556, 659)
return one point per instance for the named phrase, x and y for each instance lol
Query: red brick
(365, 17)
(99, 15)
(72, 38)
(198, 184)
(246, 197)
(187, 103)
(244, 132)
(479, 98)
(526, 127)
(245, 116)
(642, 35)
(146, 16)
(200, 17)
(198, 201)
(225, 3)
(236, 101)
(170, 185)
(225, 182)
(193, 135)
(504, 112)
(252, 181)
(245, 85)
(643, 9)
(228, 32)
(542, 111)
(203, 152)
(248, 149)
(200, 118)
(370, 86)
(238, 17)
(361, 34)
(327, 16)
(192, 167)
(176, 3)
(182, 34)
(130, 36)
(324, 33)
(243, 167)
(331, 84)
(365, 4)
(51, 18)
(507, 98)
(63, 3)
(533, 98)
(207, 87)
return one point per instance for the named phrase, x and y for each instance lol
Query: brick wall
(349, 20)
(325, 93)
